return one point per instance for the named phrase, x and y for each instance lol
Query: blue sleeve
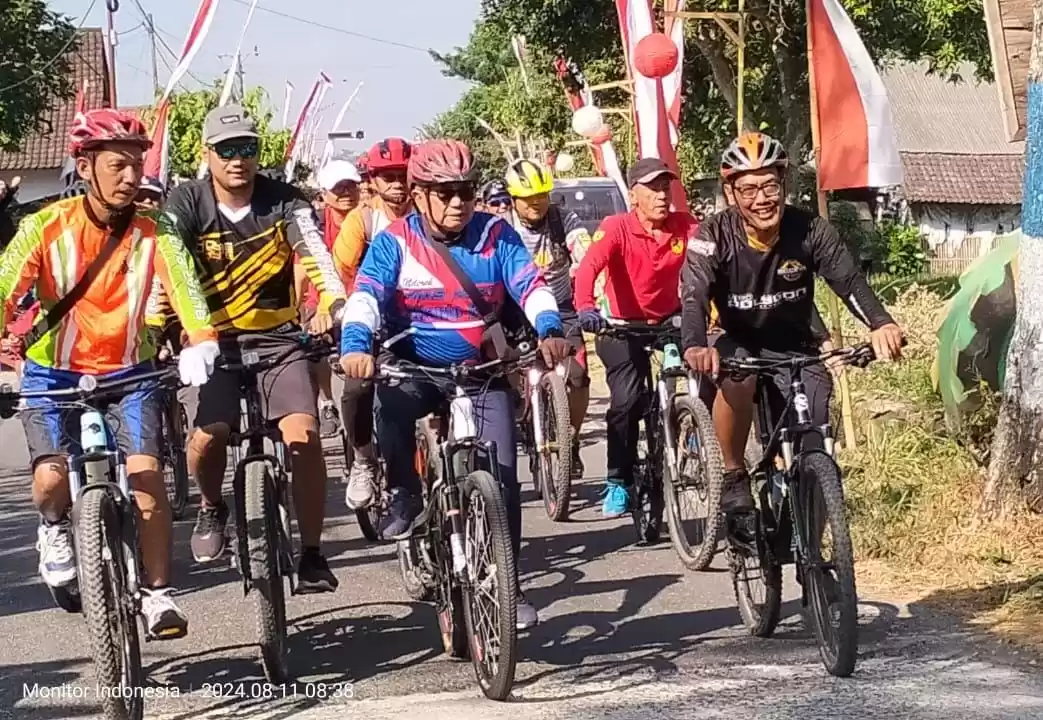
(375, 285)
(524, 282)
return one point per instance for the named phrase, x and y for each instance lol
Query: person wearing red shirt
(641, 253)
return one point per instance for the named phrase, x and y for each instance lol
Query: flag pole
(832, 302)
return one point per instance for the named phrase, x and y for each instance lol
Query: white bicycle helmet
(752, 151)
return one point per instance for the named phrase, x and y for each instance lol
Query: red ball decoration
(655, 55)
(603, 135)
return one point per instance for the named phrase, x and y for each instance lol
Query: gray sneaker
(362, 484)
(527, 615)
(163, 618)
(208, 536)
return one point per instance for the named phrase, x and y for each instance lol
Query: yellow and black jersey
(245, 258)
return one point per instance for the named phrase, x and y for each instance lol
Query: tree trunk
(1015, 478)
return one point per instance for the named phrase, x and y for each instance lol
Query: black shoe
(577, 462)
(402, 511)
(736, 495)
(208, 536)
(314, 574)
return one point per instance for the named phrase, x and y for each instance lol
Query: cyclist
(386, 163)
(403, 283)
(151, 194)
(339, 180)
(495, 199)
(557, 242)
(243, 230)
(757, 261)
(366, 186)
(104, 335)
(641, 252)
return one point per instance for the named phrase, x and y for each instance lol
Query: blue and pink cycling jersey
(404, 285)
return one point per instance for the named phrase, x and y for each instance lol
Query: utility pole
(155, 57)
(111, 6)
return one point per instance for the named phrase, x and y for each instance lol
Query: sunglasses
(227, 151)
(499, 204)
(148, 196)
(446, 193)
(390, 176)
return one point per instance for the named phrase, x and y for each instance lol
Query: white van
(592, 198)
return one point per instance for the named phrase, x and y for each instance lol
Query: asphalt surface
(626, 633)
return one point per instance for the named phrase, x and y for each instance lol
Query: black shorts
(576, 366)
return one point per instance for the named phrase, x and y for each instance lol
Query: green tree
(35, 72)
(185, 125)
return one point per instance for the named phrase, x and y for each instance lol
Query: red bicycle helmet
(105, 125)
(362, 165)
(388, 154)
(441, 161)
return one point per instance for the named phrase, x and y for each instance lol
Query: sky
(402, 86)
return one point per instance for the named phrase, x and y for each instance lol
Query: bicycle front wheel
(261, 510)
(109, 612)
(555, 457)
(490, 600)
(827, 564)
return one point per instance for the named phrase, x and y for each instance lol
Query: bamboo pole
(832, 301)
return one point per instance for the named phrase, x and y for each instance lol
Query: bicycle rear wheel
(261, 513)
(176, 471)
(829, 584)
(696, 478)
(648, 499)
(555, 458)
(490, 600)
(110, 614)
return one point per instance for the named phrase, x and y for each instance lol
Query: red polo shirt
(643, 270)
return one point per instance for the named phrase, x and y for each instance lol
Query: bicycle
(797, 500)
(463, 513)
(260, 487)
(547, 435)
(105, 539)
(666, 468)
(175, 461)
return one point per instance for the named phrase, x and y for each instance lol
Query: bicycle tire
(115, 649)
(699, 554)
(556, 490)
(261, 513)
(818, 470)
(177, 460)
(649, 498)
(408, 566)
(759, 621)
(495, 677)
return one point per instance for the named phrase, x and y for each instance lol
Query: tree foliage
(35, 71)
(943, 33)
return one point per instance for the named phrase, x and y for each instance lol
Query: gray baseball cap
(228, 122)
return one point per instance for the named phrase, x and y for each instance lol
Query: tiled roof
(962, 179)
(46, 147)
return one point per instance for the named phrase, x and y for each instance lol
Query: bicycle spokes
(481, 567)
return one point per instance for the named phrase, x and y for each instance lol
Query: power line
(331, 28)
(55, 59)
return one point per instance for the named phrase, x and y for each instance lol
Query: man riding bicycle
(386, 163)
(757, 261)
(495, 199)
(243, 230)
(104, 335)
(557, 242)
(641, 252)
(404, 283)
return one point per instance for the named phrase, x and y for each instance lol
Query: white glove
(196, 363)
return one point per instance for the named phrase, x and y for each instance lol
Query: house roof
(46, 148)
(952, 178)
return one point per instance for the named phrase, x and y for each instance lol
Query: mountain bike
(547, 435)
(800, 496)
(260, 486)
(368, 518)
(458, 551)
(105, 537)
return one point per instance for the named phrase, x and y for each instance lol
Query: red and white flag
(196, 35)
(650, 109)
(157, 159)
(672, 87)
(318, 91)
(858, 148)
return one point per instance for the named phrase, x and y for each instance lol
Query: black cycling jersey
(766, 299)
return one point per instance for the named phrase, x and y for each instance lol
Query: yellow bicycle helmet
(526, 178)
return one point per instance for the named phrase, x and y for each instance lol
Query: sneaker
(208, 536)
(402, 511)
(736, 495)
(314, 574)
(527, 616)
(57, 560)
(577, 462)
(329, 420)
(164, 620)
(362, 484)
(617, 499)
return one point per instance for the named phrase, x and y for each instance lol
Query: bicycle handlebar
(89, 388)
(858, 355)
(405, 370)
(619, 327)
(245, 350)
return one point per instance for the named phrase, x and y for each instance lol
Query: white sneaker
(163, 618)
(57, 560)
(362, 484)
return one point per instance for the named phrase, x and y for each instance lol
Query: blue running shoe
(402, 510)
(617, 499)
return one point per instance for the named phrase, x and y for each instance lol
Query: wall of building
(35, 183)
(958, 234)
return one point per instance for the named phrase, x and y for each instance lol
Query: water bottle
(93, 437)
(671, 356)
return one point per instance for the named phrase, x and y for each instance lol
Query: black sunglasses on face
(446, 193)
(499, 203)
(229, 150)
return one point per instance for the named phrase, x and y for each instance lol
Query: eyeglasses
(390, 176)
(229, 150)
(446, 193)
(771, 189)
(499, 204)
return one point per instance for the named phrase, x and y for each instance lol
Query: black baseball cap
(646, 170)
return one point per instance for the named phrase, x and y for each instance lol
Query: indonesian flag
(196, 35)
(157, 160)
(293, 147)
(858, 148)
(650, 109)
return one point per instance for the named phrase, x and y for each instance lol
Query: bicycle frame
(534, 376)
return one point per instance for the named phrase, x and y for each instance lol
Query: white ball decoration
(587, 121)
(564, 163)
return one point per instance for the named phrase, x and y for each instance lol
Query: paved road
(627, 633)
